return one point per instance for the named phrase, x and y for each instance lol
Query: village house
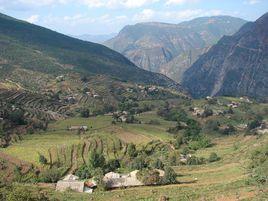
(72, 182)
(233, 104)
(75, 128)
(116, 180)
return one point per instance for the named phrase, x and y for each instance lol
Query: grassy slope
(222, 180)
(33, 47)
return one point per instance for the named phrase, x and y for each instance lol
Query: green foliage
(17, 117)
(42, 159)
(84, 112)
(193, 130)
(207, 112)
(212, 125)
(157, 164)
(154, 122)
(170, 176)
(131, 150)
(83, 172)
(254, 124)
(96, 160)
(98, 177)
(149, 177)
(213, 157)
(193, 160)
(259, 166)
(50, 175)
(178, 142)
(21, 193)
(200, 143)
(112, 165)
(228, 130)
(138, 163)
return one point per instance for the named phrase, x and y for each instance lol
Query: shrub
(84, 113)
(212, 125)
(195, 161)
(170, 176)
(229, 129)
(112, 165)
(178, 142)
(139, 163)
(157, 164)
(131, 150)
(254, 124)
(17, 117)
(207, 112)
(42, 159)
(149, 177)
(201, 142)
(213, 157)
(50, 175)
(154, 122)
(83, 172)
(259, 166)
(96, 160)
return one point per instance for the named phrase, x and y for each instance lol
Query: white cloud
(145, 15)
(33, 19)
(117, 3)
(180, 2)
(252, 2)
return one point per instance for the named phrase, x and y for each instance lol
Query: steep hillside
(154, 46)
(237, 65)
(32, 47)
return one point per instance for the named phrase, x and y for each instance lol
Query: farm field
(221, 180)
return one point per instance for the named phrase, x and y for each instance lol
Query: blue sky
(77, 17)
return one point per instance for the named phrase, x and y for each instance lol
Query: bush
(200, 143)
(195, 161)
(85, 113)
(212, 125)
(154, 122)
(17, 117)
(170, 176)
(139, 163)
(178, 142)
(96, 160)
(42, 159)
(112, 165)
(213, 157)
(259, 166)
(131, 150)
(157, 164)
(149, 177)
(254, 124)
(207, 112)
(83, 172)
(50, 175)
(229, 129)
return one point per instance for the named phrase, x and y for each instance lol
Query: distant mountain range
(27, 46)
(95, 38)
(171, 49)
(236, 66)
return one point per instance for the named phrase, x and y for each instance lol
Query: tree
(213, 157)
(112, 165)
(96, 160)
(131, 150)
(17, 117)
(138, 163)
(2, 133)
(157, 164)
(42, 159)
(170, 176)
(178, 142)
(84, 112)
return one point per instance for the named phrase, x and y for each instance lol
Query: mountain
(27, 46)
(96, 38)
(162, 47)
(236, 66)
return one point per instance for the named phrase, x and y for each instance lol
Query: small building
(75, 128)
(72, 182)
(116, 180)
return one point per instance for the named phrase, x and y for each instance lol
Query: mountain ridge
(235, 66)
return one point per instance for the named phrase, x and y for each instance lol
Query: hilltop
(172, 48)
